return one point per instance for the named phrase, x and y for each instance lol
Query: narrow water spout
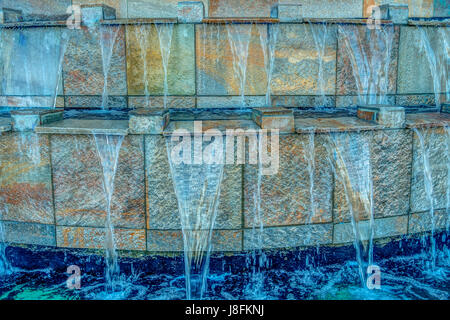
(165, 34)
(428, 184)
(268, 35)
(350, 160)
(64, 39)
(108, 148)
(311, 166)
(239, 38)
(320, 36)
(141, 33)
(108, 36)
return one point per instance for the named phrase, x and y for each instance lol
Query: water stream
(369, 52)
(268, 35)
(165, 34)
(239, 36)
(352, 167)
(197, 187)
(320, 36)
(108, 148)
(143, 39)
(108, 36)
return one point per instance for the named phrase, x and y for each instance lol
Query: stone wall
(51, 193)
(201, 72)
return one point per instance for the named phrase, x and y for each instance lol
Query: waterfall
(108, 148)
(165, 34)
(311, 167)
(108, 36)
(447, 203)
(437, 62)
(352, 167)
(320, 36)
(268, 35)
(370, 64)
(143, 38)
(428, 184)
(197, 187)
(64, 39)
(239, 39)
(5, 266)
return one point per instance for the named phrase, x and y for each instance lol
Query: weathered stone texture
(119, 5)
(173, 102)
(417, 8)
(25, 178)
(170, 240)
(78, 183)
(95, 102)
(361, 53)
(83, 66)
(390, 165)
(289, 237)
(421, 222)
(286, 196)
(240, 8)
(145, 73)
(155, 8)
(29, 233)
(215, 70)
(383, 228)
(436, 144)
(416, 78)
(94, 238)
(162, 203)
(297, 60)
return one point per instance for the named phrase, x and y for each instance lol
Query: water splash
(108, 148)
(428, 184)
(239, 39)
(197, 187)
(437, 61)
(370, 64)
(268, 35)
(165, 34)
(352, 168)
(320, 36)
(108, 37)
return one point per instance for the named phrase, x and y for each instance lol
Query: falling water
(352, 168)
(108, 148)
(165, 34)
(64, 39)
(268, 35)
(437, 62)
(320, 36)
(311, 167)
(428, 183)
(447, 203)
(197, 187)
(370, 65)
(107, 41)
(5, 267)
(141, 33)
(239, 38)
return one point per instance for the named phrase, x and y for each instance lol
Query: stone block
(78, 183)
(300, 192)
(385, 115)
(241, 8)
(148, 121)
(95, 102)
(190, 11)
(94, 238)
(83, 66)
(172, 102)
(422, 222)
(289, 237)
(383, 228)
(286, 12)
(145, 72)
(29, 233)
(274, 118)
(172, 241)
(27, 120)
(93, 13)
(25, 178)
(397, 13)
(298, 64)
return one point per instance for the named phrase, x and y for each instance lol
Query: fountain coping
(273, 111)
(261, 20)
(427, 120)
(221, 125)
(35, 111)
(338, 124)
(149, 112)
(84, 126)
(138, 21)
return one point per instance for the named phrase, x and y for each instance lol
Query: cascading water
(239, 39)
(143, 39)
(165, 34)
(311, 167)
(197, 187)
(268, 35)
(108, 36)
(447, 203)
(64, 39)
(370, 64)
(438, 58)
(320, 36)
(5, 266)
(108, 148)
(350, 160)
(428, 184)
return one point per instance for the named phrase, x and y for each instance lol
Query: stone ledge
(427, 120)
(28, 119)
(5, 125)
(274, 118)
(385, 115)
(76, 126)
(149, 121)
